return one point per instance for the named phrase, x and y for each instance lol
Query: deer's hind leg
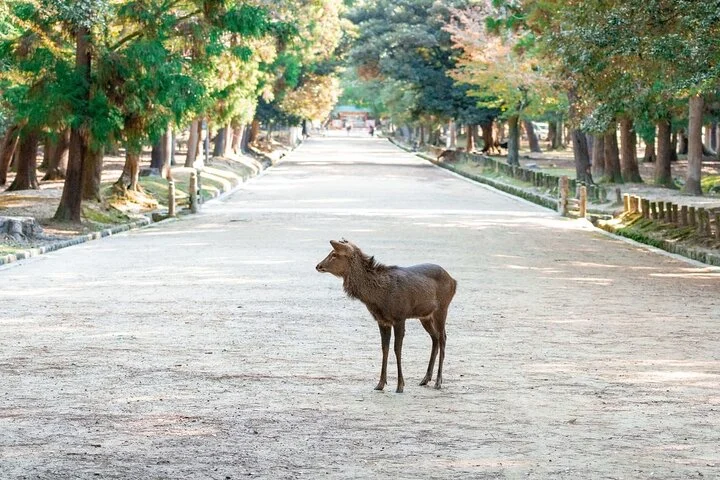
(428, 324)
(439, 317)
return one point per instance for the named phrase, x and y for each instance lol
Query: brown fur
(392, 295)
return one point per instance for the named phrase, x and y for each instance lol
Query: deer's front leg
(399, 328)
(385, 338)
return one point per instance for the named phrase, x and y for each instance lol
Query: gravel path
(210, 348)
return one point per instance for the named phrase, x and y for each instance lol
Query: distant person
(348, 128)
(372, 131)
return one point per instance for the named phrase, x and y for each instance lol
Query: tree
(497, 60)
(402, 45)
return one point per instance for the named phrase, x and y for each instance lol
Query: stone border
(264, 163)
(76, 240)
(542, 200)
(707, 257)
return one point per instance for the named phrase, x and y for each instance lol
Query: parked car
(541, 130)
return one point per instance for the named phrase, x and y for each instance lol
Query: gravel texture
(210, 348)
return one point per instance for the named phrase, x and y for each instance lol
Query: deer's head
(338, 260)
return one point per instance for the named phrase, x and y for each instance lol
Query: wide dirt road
(210, 347)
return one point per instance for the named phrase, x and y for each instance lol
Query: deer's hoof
(438, 384)
(425, 381)
(400, 388)
(380, 386)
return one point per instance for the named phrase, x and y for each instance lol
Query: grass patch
(710, 183)
(9, 250)
(657, 233)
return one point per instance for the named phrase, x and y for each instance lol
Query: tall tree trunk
(452, 134)
(695, 150)
(683, 142)
(245, 142)
(500, 129)
(192, 144)
(26, 177)
(717, 141)
(130, 178)
(674, 147)
(581, 155)
(161, 156)
(70, 207)
(229, 134)
(649, 156)
(157, 155)
(559, 141)
(579, 140)
(713, 137)
(628, 159)
(612, 157)
(58, 156)
(167, 152)
(470, 139)
(48, 146)
(219, 148)
(7, 151)
(663, 172)
(254, 131)
(487, 135)
(598, 157)
(552, 135)
(92, 173)
(173, 147)
(532, 137)
(513, 157)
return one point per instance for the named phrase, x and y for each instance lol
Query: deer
(392, 295)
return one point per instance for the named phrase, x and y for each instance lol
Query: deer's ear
(342, 248)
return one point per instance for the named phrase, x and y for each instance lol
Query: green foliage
(402, 44)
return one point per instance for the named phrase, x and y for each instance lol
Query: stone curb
(140, 223)
(542, 200)
(34, 252)
(703, 256)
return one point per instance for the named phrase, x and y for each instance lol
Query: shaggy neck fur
(365, 277)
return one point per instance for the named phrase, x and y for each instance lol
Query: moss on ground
(658, 233)
(710, 183)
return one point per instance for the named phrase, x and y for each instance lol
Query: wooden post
(653, 210)
(717, 219)
(661, 210)
(691, 216)
(684, 216)
(645, 207)
(708, 227)
(583, 201)
(703, 222)
(625, 202)
(171, 198)
(193, 188)
(675, 218)
(635, 204)
(669, 213)
(564, 187)
(700, 222)
(199, 186)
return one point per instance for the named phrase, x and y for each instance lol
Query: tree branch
(136, 34)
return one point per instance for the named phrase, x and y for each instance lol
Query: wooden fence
(705, 222)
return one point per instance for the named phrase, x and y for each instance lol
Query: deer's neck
(364, 282)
